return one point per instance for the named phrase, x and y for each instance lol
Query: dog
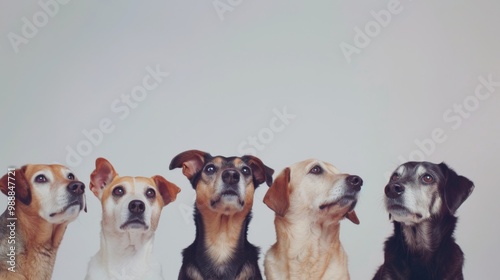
(309, 200)
(224, 196)
(422, 198)
(131, 208)
(42, 201)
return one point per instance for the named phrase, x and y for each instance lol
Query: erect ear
(14, 183)
(101, 176)
(261, 172)
(168, 190)
(191, 162)
(352, 217)
(456, 188)
(278, 196)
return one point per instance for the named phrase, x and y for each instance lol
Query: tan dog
(310, 198)
(42, 200)
(131, 208)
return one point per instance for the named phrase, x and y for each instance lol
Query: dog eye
(245, 170)
(71, 176)
(427, 179)
(316, 170)
(210, 169)
(394, 176)
(41, 179)
(150, 193)
(118, 191)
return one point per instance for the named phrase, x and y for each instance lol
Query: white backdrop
(364, 86)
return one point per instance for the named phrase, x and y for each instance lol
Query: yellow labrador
(309, 199)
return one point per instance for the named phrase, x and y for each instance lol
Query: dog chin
(345, 201)
(403, 215)
(227, 203)
(134, 226)
(67, 214)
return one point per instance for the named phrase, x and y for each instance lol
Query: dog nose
(76, 188)
(394, 190)
(136, 206)
(354, 182)
(230, 177)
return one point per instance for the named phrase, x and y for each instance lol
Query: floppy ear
(278, 196)
(456, 188)
(101, 176)
(191, 162)
(261, 172)
(15, 183)
(168, 190)
(352, 217)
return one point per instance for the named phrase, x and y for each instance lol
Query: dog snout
(354, 182)
(136, 207)
(76, 188)
(394, 190)
(230, 177)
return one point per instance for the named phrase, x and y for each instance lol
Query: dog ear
(168, 190)
(191, 162)
(261, 172)
(278, 196)
(456, 189)
(19, 187)
(352, 217)
(101, 176)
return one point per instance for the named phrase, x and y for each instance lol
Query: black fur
(445, 260)
(195, 255)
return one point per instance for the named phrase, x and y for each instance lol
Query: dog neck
(126, 253)
(36, 242)
(222, 235)
(427, 236)
(312, 249)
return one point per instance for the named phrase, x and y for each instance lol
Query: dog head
(130, 203)
(49, 191)
(223, 184)
(317, 188)
(419, 190)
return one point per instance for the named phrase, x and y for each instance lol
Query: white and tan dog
(309, 199)
(131, 208)
(42, 201)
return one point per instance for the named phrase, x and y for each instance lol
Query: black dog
(421, 199)
(224, 197)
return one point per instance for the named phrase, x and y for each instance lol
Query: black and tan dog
(224, 196)
(422, 199)
(46, 199)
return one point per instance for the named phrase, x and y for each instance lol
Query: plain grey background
(415, 74)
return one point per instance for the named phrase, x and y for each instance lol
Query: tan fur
(246, 272)
(193, 273)
(37, 240)
(308, 245)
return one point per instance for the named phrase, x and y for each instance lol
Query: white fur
(126, 254)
